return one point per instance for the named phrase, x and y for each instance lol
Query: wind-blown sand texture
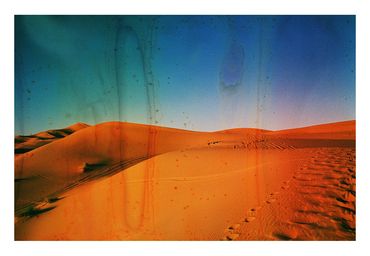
(123, 181)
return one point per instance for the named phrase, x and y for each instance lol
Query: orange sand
(122, 181)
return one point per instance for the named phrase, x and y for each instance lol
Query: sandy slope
(27, 143)
(336, 131)
(182, 185)
(49, 168)
(316, 203)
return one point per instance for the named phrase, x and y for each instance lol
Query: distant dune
(124, 181)
(27, 143)
(337, 131)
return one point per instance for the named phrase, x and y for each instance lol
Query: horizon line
(176, 128)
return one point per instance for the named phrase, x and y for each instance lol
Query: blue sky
(192, 72)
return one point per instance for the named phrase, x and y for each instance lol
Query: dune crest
(26, 143)
(338, 130)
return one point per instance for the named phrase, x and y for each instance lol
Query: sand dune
(122, 181)
(55, 165)
(335, 131)
(27, 143)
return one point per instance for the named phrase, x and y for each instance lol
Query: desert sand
(30, 142)
(124, 181)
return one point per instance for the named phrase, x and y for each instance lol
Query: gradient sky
(193, 72)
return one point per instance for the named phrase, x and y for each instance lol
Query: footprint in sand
(230, 237)
(249, 219)
(233, 228)
(231, 232)
(251, 214)
(285, 185)
(270, 201)
(271, 198)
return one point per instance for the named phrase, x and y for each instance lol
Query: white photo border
(8, 9)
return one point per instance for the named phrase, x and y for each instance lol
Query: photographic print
(192, 127)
